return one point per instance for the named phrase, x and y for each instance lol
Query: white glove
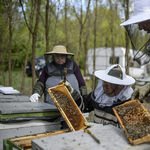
(34, 97)
(89, 124)
(68, 85)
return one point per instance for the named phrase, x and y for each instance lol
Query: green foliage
(81, 63)
(57, 33)
(16, 82)
(19, 54)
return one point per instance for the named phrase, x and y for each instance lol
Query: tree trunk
(66, 27)
(10, 42)
(56, 14)
(2, 64)
(25, 64)
(94, 58)
(85, 52)
(47, 26)
(127, 60)
(29, 41)
(87, 33)
(80, 45)
(112, 32)
(80, 37)
(82, 24)
(34, 37)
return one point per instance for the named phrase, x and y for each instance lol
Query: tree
(36, 4)
(50, 13)
(66, 27)
(82, 24)
(95, 35)
(10, 7)
(126, 4)
(3, 39)
(111, 20)
(28, 47)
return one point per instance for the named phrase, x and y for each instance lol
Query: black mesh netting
(140, 42)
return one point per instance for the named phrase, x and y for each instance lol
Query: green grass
(17, 81)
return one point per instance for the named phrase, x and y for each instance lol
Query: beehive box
(67, 107)
(24, 142)
(134, 120)
(24, 128)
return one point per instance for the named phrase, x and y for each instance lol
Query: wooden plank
(25, 141)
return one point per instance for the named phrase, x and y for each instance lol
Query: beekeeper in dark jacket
(53, 74)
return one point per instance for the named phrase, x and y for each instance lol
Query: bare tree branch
(25, 16)
(77, 15)
(55, 28)
(87, 12)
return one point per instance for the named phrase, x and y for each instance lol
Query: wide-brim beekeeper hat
(59, 49)
(115, 75)
(141, 12)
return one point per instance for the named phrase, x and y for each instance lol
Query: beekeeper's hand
(68, 85)
(140, 92)
(34, 97)
(89, 124)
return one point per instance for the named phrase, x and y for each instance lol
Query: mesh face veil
(137, 27)
(140, 42)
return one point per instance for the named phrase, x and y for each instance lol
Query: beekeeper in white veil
(141, 19)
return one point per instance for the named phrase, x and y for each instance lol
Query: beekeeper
(53, 74)
(140, 18)
(114, 88)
